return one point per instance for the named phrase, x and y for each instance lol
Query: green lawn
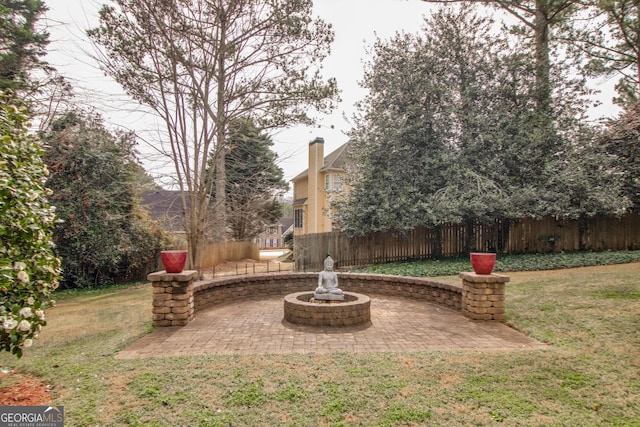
(589, 376)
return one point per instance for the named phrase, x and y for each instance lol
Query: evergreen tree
(610, 41)
(23, 46)
(254, 180)
(622, 140)
(449, 130)
(23, 70)
(434, 113)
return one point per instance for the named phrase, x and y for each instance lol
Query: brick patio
(256, 326)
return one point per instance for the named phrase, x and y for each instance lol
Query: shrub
(103, 235)
(29, 270)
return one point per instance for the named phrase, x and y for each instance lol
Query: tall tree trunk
(469, 236)
(220, 206)
(543, 63)
(544, 138)
(193, 228)
(637, 53)
(437, 242)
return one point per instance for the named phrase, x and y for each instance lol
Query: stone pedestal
(328, 297)
(172, 297)
(483, 296)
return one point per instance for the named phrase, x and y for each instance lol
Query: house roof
(336, 160)
(286, 223)
(165, 206)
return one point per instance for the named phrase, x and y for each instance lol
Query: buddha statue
(328, 283)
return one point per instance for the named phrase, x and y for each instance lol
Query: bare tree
(200, 64)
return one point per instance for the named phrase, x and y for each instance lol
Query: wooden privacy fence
(216, 253)
(449, 240)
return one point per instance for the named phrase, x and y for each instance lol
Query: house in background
(272, 237)
(165, 207)
(316, 188)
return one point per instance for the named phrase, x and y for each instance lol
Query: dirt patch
(18, 389)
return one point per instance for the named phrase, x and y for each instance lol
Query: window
(297, 218)
(272, 230)
(337, 182)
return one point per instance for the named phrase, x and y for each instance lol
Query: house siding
(310, 193)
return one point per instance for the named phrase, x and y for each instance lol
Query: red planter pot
(482, 262)
(173, 261)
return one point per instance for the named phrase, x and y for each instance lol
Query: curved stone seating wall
(176, 297)
(233, 288)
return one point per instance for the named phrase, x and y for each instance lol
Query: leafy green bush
(29, 270)
(104, 236)
(517, 262)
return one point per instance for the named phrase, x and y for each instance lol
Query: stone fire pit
(354, 310)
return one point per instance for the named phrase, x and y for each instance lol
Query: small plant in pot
(483, 262)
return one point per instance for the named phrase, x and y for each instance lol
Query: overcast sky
(355, 22)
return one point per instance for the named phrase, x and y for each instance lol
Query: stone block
(161, 323)
(177, 316)
(484, 278)
(163, 276)
(182, 297)
(177, 290)
(182, 309)
(480, 304)
(482, 316)
(477, 310)
(499, 304)
(179, 322)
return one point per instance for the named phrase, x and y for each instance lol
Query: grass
(589, 375)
